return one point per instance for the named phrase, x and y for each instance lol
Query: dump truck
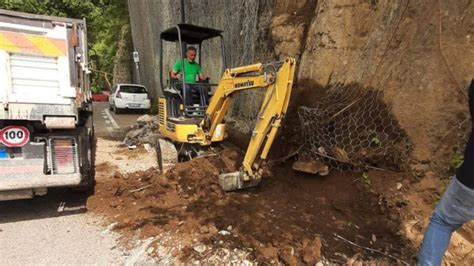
(46, 127)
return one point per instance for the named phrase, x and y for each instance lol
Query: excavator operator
(192, 70)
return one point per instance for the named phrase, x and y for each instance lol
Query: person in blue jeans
(456, 206)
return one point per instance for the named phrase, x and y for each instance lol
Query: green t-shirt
(190, 69)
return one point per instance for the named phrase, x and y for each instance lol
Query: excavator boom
(277, 79)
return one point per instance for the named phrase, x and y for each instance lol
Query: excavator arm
(277, 79)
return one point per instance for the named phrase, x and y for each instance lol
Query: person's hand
(179, 76)
(205, 76)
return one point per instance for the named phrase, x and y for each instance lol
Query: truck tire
(88, 158)
(89, 175)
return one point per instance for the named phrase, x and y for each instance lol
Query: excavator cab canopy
(188, 34)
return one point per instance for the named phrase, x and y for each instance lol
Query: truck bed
(45, 71)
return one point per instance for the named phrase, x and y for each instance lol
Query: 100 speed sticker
(14, 136)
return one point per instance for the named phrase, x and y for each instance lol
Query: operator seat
(174, 94)
(196, 93)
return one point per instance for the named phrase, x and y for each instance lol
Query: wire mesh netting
(352, 128)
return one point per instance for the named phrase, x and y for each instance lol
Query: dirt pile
(288, 218)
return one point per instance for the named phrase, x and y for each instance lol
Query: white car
(129, 96)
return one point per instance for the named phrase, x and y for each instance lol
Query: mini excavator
(185, 128)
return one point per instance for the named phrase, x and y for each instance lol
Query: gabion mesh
(352, 128)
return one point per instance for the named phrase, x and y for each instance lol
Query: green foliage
(105, 19)
(366, 181)
(442, 188)
(62, 8)
(375, 141)
(95, 89)
(457, 160)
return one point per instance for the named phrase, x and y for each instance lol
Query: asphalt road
(106, 121)
(56, 228)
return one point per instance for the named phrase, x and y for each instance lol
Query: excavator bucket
(234, 181)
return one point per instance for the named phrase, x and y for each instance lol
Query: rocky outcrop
(123, 61)
(418, 52)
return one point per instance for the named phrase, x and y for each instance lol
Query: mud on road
(290, 217)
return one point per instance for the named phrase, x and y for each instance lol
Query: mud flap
(233, 181)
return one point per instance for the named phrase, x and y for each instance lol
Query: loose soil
(291, 217)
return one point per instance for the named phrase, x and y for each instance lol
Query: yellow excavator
(185, 128)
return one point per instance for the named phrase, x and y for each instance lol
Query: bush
(457, 160)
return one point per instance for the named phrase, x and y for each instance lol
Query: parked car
(129, 96)
(102, 96)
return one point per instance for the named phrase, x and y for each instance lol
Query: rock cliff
(419, 53)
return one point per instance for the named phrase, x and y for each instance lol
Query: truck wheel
(89, 146)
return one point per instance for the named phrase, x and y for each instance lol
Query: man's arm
(175, 75)
(176, 70)
(201, 75)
